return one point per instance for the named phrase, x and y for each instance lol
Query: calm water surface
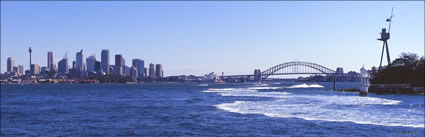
(193, 109)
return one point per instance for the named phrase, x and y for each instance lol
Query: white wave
(322, 107)
(220, 90)
(246, 92)
(304, 85)
(259, 88)
(262, 85)
(280, 109)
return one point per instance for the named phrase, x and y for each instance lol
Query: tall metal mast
(385, 36)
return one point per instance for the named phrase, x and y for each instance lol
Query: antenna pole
(391, 19)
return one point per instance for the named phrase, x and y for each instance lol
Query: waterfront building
(134, 74)
(27, 72)
(117, 71)
(50, 60)
(34, 69)
(158, 71)
(111, 68)
(43, 70)
(140, 66)
(20, 70)
(91, 63)
(15, 69)
(74, 73)
(73, 65)
(63, 67)
(152, 70)
(146, 72)
(127, 71)
(119, 64)
(10, 64)
(79, 62)
(97, 67)
(54, 68)
(105, 61)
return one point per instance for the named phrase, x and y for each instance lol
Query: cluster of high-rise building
(90, 68)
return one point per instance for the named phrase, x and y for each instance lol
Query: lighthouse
(364, 81)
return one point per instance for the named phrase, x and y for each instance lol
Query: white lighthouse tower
(364, 81)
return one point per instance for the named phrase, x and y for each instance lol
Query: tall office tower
(73, 65)
(152, 70)
(158, 71)
(146, 72)
(111, 69)
(34, 69)
(97, 67)
(15, 69)
(50, 60)
(140, 66)
(20, 69)
(91, 63)
(119, 64)
(133, 73)
(79, 62)
(105, 61)
(63, 67)
(30, 51)
(126, 71)
(10, 64)
(54, 68)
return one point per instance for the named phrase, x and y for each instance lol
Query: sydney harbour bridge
(288, 68)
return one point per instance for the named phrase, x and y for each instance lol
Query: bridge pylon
(257, 75)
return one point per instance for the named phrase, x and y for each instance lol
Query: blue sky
(200, 37)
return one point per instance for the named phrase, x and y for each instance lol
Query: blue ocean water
(214, 109)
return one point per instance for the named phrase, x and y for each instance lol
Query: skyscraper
(105, 61)
(50, 60)
(10, 64)
(30, 51)
(119, 64)
(126, 71)
(34, 69)
(133, 73)
(158, 71)
(152, 70)
(73, 65)
(79, 60)
(63, 66)
(140, 66)
(91, 63)
(97, 66)
(15, 69)
(20, 69)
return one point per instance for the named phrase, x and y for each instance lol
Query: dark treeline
(407, 69)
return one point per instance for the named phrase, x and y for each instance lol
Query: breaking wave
(306, 86)
(336, 108)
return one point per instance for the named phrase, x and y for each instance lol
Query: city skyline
(187, 43)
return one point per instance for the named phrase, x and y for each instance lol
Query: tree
(407, 69)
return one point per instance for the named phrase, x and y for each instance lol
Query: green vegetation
(407, 69)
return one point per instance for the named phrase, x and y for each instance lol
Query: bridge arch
(296, 67)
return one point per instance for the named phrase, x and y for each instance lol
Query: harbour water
(215, 109)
